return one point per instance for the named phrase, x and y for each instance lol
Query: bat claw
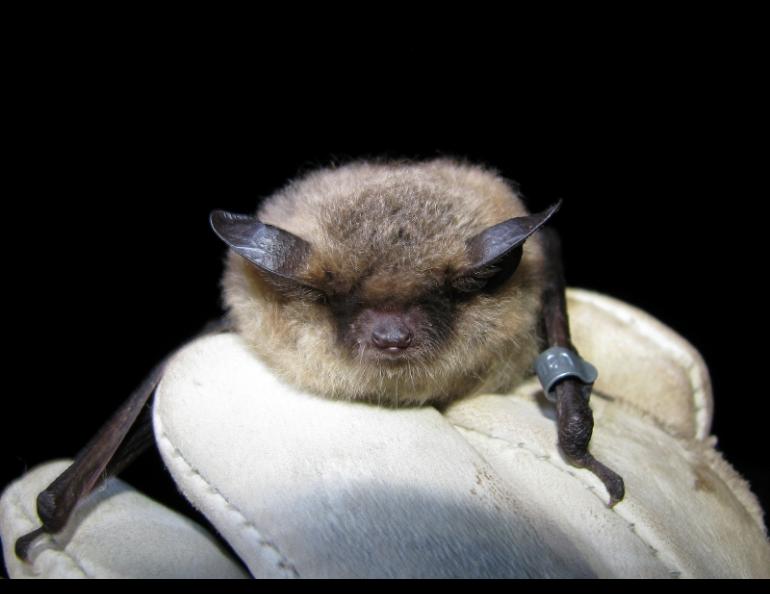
(616, 489)
(612, 481)
(23, 543)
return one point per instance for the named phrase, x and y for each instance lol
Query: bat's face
(394, 283)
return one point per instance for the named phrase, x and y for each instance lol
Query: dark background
(112, 172)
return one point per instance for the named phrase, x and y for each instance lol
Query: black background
(113, 169)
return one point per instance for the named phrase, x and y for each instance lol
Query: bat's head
(399, 283)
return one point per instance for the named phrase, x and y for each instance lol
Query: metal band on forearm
(558, 363)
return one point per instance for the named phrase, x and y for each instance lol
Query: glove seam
(678, 351)
(284, 564)
(18, 508)
(654, 552)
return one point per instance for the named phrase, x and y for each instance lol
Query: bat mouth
(392, 355)
(389, 356)
(394, 351)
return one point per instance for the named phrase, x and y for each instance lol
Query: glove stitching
(21, 512)
(283, 564)
(547, 458)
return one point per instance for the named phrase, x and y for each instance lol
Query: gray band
(558, 363)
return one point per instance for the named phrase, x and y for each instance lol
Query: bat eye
(307, 293)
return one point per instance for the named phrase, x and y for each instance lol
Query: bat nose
(391, 334)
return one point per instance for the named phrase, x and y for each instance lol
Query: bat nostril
(391, 337)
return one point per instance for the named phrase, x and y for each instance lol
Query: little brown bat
(399, 283)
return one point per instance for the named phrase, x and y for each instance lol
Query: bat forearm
(56, 503)
(119, 441)
(555, 318)
(136, 442)
(575, 419)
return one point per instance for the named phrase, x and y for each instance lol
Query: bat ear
(269, 248)
(501, 243)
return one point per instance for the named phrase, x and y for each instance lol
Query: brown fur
(389, 233)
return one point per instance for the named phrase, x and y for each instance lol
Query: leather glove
(301, 486)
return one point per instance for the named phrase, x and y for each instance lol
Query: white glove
(301, 486)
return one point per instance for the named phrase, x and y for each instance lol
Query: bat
(397, 283)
